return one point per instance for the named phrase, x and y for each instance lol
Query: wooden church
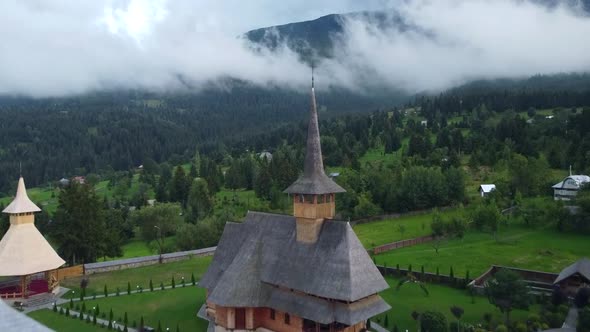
(306, 272)
(25, 253)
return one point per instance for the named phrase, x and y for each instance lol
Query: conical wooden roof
(314, 180)
(23, 250)
(21, 202)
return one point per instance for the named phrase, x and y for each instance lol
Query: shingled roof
(314, 180)
(581, 267)
(259, 263)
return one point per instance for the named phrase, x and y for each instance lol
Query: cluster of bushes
(449, 279)
(139, 288)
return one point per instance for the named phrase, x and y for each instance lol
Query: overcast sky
(63, 47)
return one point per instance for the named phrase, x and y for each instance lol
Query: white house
(486, 189)
(569, 187)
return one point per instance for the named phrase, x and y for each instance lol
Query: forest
(434, 151)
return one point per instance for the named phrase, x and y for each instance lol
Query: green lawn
(386, 231)
(62, 323)
(411, 298)
(139, 248)
(170, 307)
(543, 250)
(159, 273)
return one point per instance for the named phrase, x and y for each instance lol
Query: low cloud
(453, 42)
(62, 47)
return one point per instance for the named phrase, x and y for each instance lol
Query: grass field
(169, 307)
(159, 273)
(61, 323)
(536, 249)
(386, 231)
(139, 248)
(411, 298)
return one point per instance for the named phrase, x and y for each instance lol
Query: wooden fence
(401, 244)
(69, 272)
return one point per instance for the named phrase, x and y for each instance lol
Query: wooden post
(23, 286)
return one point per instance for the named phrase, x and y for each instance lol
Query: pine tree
(71, 303)
(159, 326)
(193, 281)
(173, 282)
(386, 321)
(106, 293)
(128, 288)
(151, 286)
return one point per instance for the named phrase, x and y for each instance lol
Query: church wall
(262, 319)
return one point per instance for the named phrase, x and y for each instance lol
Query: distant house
(64, 182)
(424, 123)
(549, 117)
(574, 276)
(334, 175)
(79, 179)
(569, 187)
(486, 189)
(266, 155)
(151, 202)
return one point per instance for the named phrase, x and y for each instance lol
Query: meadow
(517, 246)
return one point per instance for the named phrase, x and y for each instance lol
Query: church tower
(24, 252)
(313, 192)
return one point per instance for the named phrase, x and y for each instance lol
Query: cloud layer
(61, 47)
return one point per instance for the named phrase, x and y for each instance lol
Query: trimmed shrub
(582, 297)
(151, 286)
(128, 288)
(433, 321)
(162, 285)
(584, 320)
(106, 292)
(501, 328)
(173, 283)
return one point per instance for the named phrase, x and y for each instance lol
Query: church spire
(314, 180)
(21, 202)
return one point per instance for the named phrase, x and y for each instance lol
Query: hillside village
(295, 166)
(415, 257)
